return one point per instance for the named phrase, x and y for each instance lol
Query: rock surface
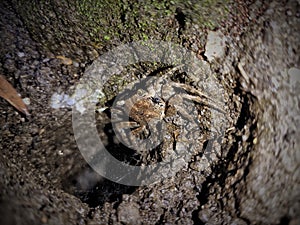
(254, 180)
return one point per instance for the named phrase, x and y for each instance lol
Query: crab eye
(155, 100)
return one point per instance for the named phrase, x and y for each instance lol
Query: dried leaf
(65, 60)
(10, 94)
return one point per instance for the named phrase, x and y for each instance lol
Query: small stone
(255, 141)
(76, 64)
(26, 101)
(21, 54)
(215, 45)
(128, 213)
(289, 12)
(44, 219)
(294, 74)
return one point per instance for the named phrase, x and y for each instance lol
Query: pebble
(289, 12)
(26, 101)
(21, 54)
(215, 45)
(128, 213)
(294, 74)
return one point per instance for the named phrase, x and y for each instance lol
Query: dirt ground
(253, 178)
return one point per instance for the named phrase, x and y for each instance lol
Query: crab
(157, 111)
(145, 110)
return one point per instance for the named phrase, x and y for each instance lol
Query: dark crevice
(95, 194)
(284, 220)
(123, 17)
(202, 54)
(196, 219)
(181, 19)
(161, 219)
(221, 170)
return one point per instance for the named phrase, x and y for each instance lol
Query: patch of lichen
(127, 21)
(76, 27)
(123, 21)
(101, 19)
(208, 14)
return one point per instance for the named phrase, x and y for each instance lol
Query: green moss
(106, 37)
(145, 37)
(64, 26)
(131, 21)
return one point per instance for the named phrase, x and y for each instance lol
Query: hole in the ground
(93, 189)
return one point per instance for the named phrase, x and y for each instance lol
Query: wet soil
(254, 178)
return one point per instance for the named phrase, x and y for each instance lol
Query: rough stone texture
(274, 176)
(265, 188)
(45, 180)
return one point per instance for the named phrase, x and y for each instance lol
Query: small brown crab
(160, 110)
(145, 110)
(138, 113)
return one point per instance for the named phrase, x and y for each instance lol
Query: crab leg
(126, 124)
(201, 101)
(192, 90)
